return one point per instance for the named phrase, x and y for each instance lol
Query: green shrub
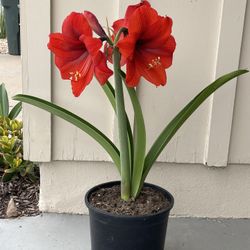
(2, 24)
(11, 142)
(11, 151)
(4, 105)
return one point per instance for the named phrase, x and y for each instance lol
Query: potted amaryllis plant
(128, 214)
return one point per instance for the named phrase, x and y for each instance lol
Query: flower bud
(94, 24)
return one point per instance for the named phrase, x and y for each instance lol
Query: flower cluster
(145, 43)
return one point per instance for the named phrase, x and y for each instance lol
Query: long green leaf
(15, 111)
(181, 117)
(77, 121)
(139, 143)
(4, 101)
(110, 93)
(139, 140)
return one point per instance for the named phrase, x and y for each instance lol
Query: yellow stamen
(154, 63)
(75, 76)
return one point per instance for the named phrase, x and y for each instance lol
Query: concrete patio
(71, 232)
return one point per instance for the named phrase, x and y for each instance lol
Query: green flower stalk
(122, 129)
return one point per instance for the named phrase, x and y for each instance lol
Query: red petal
(102, 72)
(132, 8)
(170, 47)
(87, 72)
(164, 51)
(155, 75)
(119, 24)
(60, 62)
(141, 19)
(93, 45)
(66, 67)
(127, 46)
(76, 25)
(133, 76)
(158, 32)
(65, 47)
(79, 86)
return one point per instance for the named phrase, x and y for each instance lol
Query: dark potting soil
(150, 201)
(24, 193)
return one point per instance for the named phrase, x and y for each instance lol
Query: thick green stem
(110, 93)
(122, 128)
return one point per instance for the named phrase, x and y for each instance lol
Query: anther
(154, 63)
(75, 76)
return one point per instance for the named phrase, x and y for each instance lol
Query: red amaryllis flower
(148, 48)
(77, 53)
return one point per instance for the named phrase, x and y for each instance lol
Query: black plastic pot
(11, 14)
(114, 232)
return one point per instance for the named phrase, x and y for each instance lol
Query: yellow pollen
(154, 63)
(75, 76)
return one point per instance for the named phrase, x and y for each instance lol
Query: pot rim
(168, 195)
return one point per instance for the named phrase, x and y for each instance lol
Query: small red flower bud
(94, 24)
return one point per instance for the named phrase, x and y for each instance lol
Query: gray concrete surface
(71, 232)
(10, 74)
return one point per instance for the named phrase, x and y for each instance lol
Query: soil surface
(24, 193)
(150, 201)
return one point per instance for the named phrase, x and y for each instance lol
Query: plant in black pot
(126, 214)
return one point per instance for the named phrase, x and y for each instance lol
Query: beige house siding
(209, 42)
